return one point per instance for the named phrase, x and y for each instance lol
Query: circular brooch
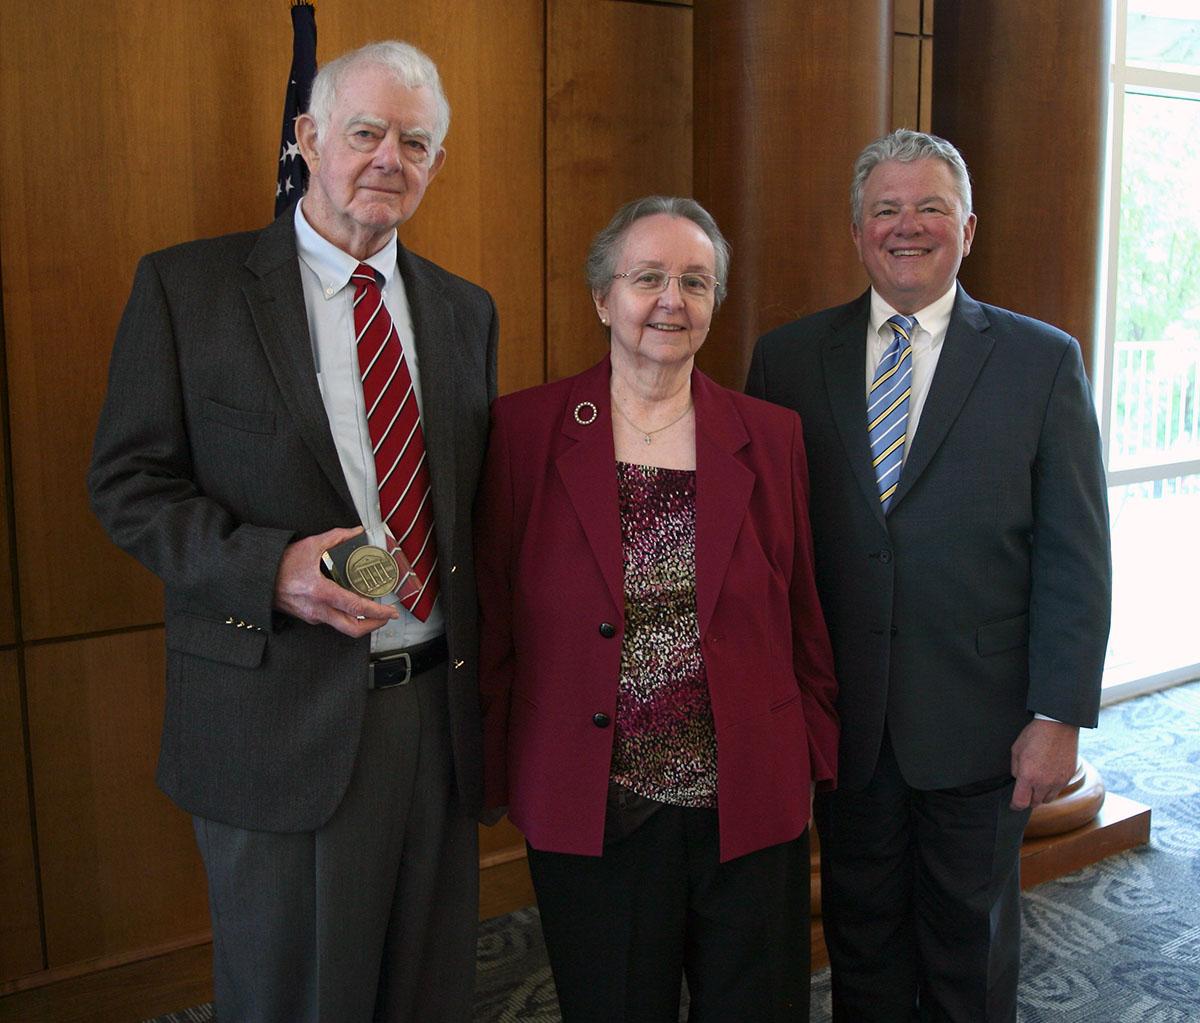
(588, 409)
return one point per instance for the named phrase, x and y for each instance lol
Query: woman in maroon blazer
(656, 676)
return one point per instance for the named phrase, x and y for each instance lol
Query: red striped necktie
(394, 421)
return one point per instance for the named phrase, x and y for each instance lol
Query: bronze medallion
(372, 572)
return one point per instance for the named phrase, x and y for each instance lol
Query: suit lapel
(723, 483)
(723, 488)
(844, 357)
(964, 351)
(587, 468)
(434, 336)
(276, 300)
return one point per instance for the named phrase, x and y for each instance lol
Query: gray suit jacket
(983, 597)
(213, 452)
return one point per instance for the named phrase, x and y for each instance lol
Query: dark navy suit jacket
(983, 597)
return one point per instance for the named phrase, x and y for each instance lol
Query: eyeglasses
(654, 282)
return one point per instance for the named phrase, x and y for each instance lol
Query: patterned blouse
(665, 745)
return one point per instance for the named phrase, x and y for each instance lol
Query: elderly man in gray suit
(961, 535)
(271, 395)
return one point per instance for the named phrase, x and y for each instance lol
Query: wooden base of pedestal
(1121, 824)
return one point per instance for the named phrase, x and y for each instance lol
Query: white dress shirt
(329, 300)
(927, 340)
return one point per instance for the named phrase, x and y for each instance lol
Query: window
(1150, 363)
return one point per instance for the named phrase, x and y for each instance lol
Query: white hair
(410, 67)
(904, 146)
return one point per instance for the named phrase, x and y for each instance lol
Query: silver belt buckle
(390, 661)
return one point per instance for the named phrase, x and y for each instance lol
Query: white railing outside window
(1155, 405)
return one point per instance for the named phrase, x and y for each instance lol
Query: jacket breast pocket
(240, 419)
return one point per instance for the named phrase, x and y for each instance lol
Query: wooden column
(786, 95)
(1020, 86)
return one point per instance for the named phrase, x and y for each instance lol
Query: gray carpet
(1118, 942)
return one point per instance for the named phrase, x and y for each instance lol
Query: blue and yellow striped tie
(887, 408)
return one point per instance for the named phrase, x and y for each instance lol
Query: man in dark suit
(327, 744)
(961, 534)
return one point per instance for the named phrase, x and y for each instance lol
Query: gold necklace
(648, 435)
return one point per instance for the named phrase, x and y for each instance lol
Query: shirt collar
(332, 266)
(934, 319)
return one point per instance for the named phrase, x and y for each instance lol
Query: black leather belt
(399, 667)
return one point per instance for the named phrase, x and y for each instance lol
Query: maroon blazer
(549, 568)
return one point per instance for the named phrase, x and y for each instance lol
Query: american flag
(293, 173)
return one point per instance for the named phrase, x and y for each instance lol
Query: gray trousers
(371, 917)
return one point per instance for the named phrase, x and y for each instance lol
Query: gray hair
(408, 65)
(602, 256)
(905, 146)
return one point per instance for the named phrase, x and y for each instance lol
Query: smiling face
(369, 168)
(914, 232)
(668, 328)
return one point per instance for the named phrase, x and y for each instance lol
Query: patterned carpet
(1118, 942)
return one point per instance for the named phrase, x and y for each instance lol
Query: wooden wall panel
(786, 96)
(172, 114)
(504, 882)
(500, 840)
(1028, 112)
(119, 865)
(907, 16)
(906, 82)
(8, 624)
(925, 118)
(618, 126)
(20, 928)
(171, 136)
(912, 66)
(483, 216)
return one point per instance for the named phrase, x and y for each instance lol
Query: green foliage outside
(1159, 277)
(1158, 282)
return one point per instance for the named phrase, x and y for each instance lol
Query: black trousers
(623, 928)
(920, 897)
